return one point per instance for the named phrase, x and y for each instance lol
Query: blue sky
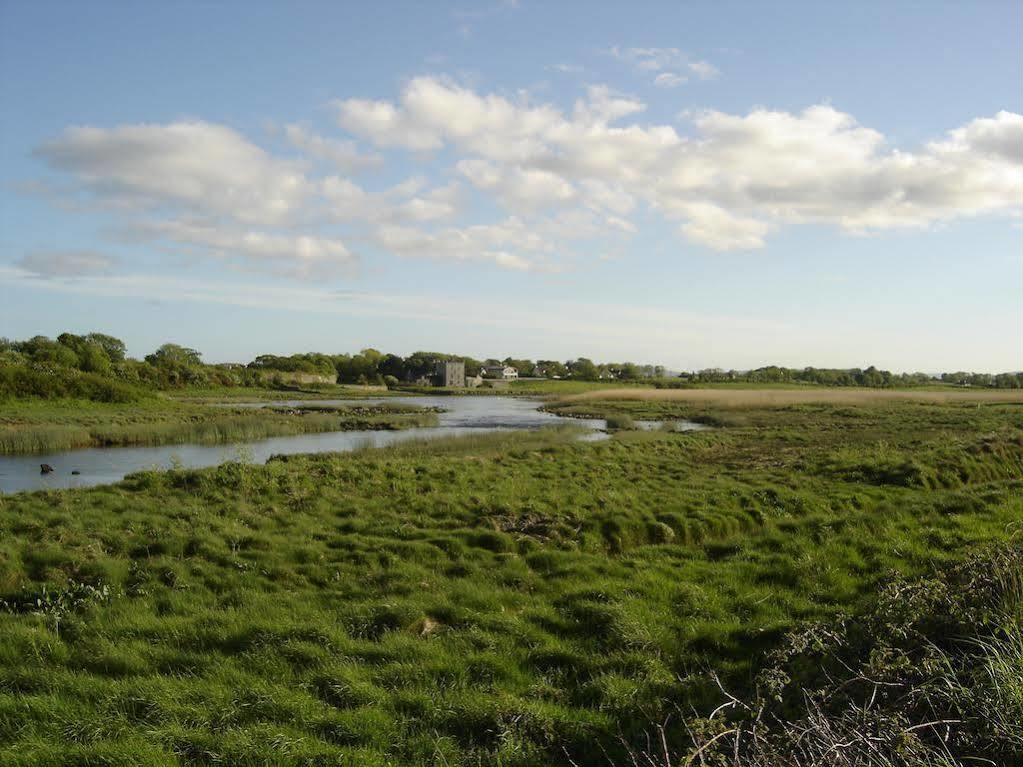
(691, 184)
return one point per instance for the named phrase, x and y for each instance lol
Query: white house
(504, 372)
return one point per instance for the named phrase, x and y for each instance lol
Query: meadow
(527, 598)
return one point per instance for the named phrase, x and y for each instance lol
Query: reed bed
(781, 397)
(67, 429)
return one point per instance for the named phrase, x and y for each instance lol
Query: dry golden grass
(781, 397)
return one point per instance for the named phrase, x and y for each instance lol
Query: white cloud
(501, 244)
(388, 125)
(603, 106)
(344, 155)
(737, 179)
(560, 176)
(670, 80)
(703, 69)
(649, 60)
(192, 165)
(293, 255)
(433, 112)
(518, 188)
(347, 201)
(715, 227)
(612, 197)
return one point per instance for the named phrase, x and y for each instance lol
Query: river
(461, 415)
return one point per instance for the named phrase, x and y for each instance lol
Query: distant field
(771, 397)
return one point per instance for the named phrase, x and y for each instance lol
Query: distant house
(504, 372)
(449, 374)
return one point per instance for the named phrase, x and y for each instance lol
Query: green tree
(92, 358)
(114, 347)
(174, 356)
(43, 350)
(583, 369)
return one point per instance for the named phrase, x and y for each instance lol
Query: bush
(929, 675)
(18, 381)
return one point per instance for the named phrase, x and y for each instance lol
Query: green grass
(39, 425)
(510, 599)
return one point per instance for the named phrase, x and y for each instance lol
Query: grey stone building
(449, 374)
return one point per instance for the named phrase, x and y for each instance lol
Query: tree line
(870, 377)
(103, 357)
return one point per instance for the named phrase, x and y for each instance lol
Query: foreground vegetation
(524, 599)
(929, 675)
(30, 426)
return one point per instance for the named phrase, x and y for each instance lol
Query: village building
(504, 372)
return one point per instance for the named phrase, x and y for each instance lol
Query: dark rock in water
(76, 471)
(45, 468)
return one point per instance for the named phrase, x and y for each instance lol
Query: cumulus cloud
(67, 263)
(434, 111)
(207, 190)
(518, 188)
(347, 201)
(343, 155)
(193, 165)
(735, 180)
(388, 125)
(561, 177)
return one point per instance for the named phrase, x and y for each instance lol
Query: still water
(462, 415)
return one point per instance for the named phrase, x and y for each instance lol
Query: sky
(692, 184)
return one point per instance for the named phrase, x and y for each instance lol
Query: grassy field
(520, 599)
(41, 425)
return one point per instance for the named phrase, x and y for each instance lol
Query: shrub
(19, 381)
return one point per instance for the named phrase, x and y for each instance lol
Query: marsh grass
(776, 397)
(251, 393)
(517, 599)
(620, 422)
(38, 427)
